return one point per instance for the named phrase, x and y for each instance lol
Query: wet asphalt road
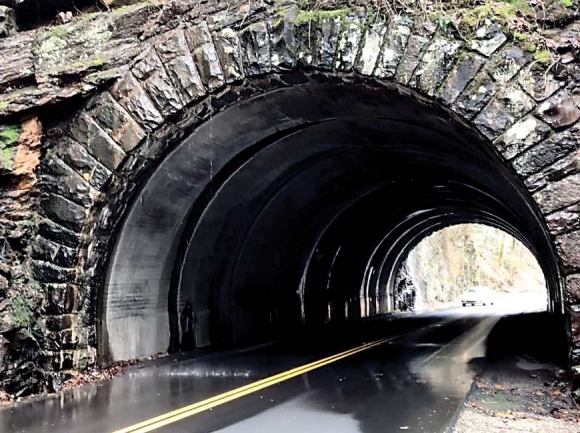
(416, 383)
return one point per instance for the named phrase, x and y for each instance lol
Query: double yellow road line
(220, 399)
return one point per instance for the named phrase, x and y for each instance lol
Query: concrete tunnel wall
(294, 208)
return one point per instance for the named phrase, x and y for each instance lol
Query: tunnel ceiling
(271, 214)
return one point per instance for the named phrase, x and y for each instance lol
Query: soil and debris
(519, 394)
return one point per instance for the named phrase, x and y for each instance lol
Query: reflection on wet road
(415, 383)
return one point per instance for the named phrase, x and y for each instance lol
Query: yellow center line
(220, 399)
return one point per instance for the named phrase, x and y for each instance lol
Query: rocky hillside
(442, 265)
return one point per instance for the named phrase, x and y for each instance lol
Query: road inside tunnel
(416, 380)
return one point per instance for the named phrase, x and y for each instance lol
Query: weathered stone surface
(435, 64)
(509, 104)
(462, 73)
(116, 122)
(566, 166)
(327, 33)
(545, 153)
(488, 38)
(130, 95)
(564, 220)
(62, 298)
(50, 273)
(60, 179)
(78, 158)
(568, 247)
(419, 39)
(17, 59)
(538, 83)
(350, 41)
(255, 43)
(371, 47)
(228, 47)
(50, 251)
(398, 32)
(64, 211)
(522, 135)
(560, 110)
(283, 43)
(7, 22)
(86, 131)
(572, 288)
(557, 195)
(204, 51)
(54, 231)
(507, 63)
(156, 82)
(476, 96)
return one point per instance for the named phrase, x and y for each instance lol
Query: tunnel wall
(180, 77)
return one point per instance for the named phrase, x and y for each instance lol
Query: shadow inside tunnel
(541, 336)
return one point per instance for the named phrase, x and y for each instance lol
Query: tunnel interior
(294, 210)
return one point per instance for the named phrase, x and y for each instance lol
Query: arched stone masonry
(187, 73)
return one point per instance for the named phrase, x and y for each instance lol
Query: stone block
(47, 272)
(129, 93)
(150, 72)
(206, 56)
(61, 299)
(48, 250)
(568, 248)
(436, 64)
(398, 32)
(460, 75)
(557, 195)
(327, 33)
(539, 84)
(64, 212)
(60, 179)
(255, 43)
(371, 47)
(507, 63)
(572, 288)
(522, 135)
(419, 39)
(349, 41)
(545, 153)
(227, 43)
(476, 96)
(116, 122)
(86, 131)
(8, 25)
(78, 158)
(56, 232)
(488, 38)
(180, 65)
(564, 220)
(566, 166)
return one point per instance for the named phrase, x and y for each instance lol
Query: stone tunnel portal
(296, 208)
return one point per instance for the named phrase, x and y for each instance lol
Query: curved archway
(272, 214)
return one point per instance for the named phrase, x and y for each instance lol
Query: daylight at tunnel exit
(242, 216)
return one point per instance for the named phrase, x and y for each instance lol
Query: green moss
(520, 36)
(543, 56)
(9, 135)
(530, 47)
(59, 32)
(305, 16)
(22, 313)
(502, 13)
(87, 64)
(567, 3)
(4, 105)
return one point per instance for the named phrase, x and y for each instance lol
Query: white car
(479, 295)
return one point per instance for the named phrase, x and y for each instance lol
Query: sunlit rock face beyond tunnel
(296, 208)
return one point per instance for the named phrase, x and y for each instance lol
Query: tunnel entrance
(468, 265)
(296, 209)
